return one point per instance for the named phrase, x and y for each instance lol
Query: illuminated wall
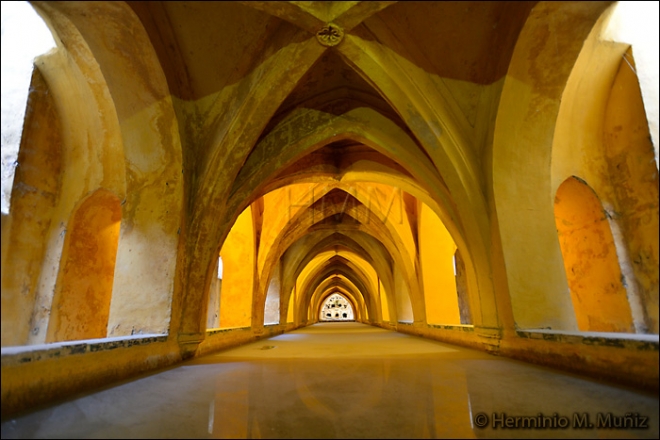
(238, 274)
(81, 304)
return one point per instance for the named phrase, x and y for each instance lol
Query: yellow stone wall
(635, 181)
(238, 275)
(81, 305)
(437, 257)
(599, 297)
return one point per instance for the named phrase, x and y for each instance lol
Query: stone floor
(348, 380)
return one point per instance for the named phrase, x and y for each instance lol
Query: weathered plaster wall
(464, 307)
(628, 149)
(404, 312)
(384, 303)
(81, 304)
(272, 305)
(523, 141)
(36, 185)
(599, 297)
(602, 137)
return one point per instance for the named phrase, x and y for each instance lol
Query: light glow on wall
(636, 23)
(24, 36)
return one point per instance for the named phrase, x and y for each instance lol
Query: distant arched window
(336, 308)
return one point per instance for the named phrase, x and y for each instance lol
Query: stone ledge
(464, 328)
(216, 331)
(32, 353)
(622, 340)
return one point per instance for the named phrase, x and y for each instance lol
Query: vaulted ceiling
(264, 101)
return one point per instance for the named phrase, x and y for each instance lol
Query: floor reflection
(342, 380)
(362, 398)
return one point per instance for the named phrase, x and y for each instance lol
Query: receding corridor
(342, 380)
(183, 179)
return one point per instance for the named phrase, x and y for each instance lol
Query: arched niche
(524, 161)
(602, 135)
(592, 267)
(81, 304)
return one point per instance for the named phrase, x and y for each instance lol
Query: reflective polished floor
(348, 380)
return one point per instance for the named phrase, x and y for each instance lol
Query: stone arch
(90, 150)
(116, 93)
(358, 175)
(358, 242)
(635, 223)
(237, 134)
(602, 135)
(305, 130)
(356, 283)
(361, 289)
(443, 138)
(304, 223)
(242, 186)
(523, 137)
(31, 218)
(344, 286)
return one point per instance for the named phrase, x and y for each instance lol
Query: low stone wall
(33, 376)
(628, 359)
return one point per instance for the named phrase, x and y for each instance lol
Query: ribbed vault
(342, 148)
(261, 157)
